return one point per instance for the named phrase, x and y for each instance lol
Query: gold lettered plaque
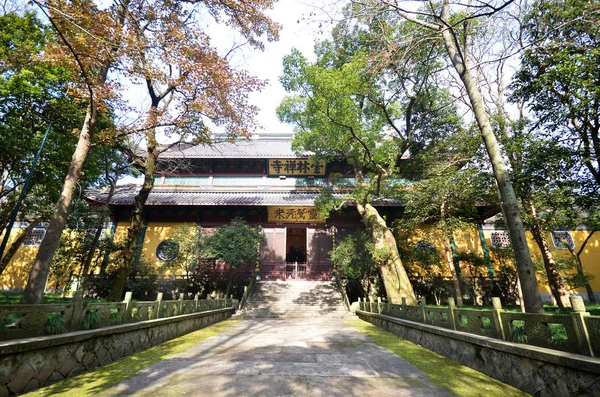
(296, 167)
(294, 215)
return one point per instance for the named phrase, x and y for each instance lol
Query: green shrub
(11, 321)
(517, 333)
(115, 316)
(91, 319)
(55, 324)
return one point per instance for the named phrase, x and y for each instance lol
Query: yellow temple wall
(16, 273)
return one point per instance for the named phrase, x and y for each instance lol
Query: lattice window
(344, 182)
(563, 240)
(186, 180)
(500, 240)
(167, 250)
(296, 181)
(35, 238)
(237, 180)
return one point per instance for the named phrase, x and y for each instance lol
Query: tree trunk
(555, 280)
(229, 282)
(514, 223)
(90, 255)
(588, 287)
(455, 280)
(132, 244)
(395, 279)
(579, 265)
(14, 247)
(34, 291)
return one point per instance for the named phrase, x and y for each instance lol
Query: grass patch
(442, 371)
(102, 378)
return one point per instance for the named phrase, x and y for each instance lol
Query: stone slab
(294, 357)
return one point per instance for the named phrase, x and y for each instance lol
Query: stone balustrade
(29, 363)
(25, 321)
(577, 332)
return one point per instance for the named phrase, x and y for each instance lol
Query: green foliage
(115, 317)
(11, 321)
(27, 78)
(357, 258)
(188, 259)
(517, 333)
(142, 279)
(452, 186)
(91, 319)
(423, 264)
(558, 77)
(567, 266)
(55, 324)
(507, 278)
(236, 244)
(351, 103)
(476, 265)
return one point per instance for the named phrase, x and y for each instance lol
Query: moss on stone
(102, 378)
(442, 371)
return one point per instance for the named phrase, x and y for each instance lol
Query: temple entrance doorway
(295, 257)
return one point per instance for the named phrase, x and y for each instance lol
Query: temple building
(261, 181)
(264, 182)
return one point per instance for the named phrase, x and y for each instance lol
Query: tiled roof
(254, 148)
(125, 195)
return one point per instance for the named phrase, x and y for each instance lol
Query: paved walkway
(300, 357)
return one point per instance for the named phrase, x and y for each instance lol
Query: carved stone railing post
(497, 318)
(159, 301)
(78, 312)
(196, 302)
(180, 304)
(128, 307)
(423, 309)
(379, 304)
(451, 316)
(578, 316)
(404, 314)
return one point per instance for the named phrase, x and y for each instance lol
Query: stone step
(295, 299)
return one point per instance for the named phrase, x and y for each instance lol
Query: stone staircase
(293, 299)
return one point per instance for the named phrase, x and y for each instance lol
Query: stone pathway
(295, 357)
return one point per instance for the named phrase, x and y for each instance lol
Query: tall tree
(558, 81)
(190, 87)
(89, 41)
(94, 40)
(371, 111)
(28, 78)
(452, 23)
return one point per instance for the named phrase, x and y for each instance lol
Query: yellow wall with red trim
(16, 273)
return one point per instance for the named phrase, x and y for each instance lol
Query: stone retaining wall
(27, 364)
(535, 370)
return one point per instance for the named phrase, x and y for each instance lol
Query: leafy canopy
(236, 244)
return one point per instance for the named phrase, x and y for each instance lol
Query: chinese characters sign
(296, 167)
(294, 215)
